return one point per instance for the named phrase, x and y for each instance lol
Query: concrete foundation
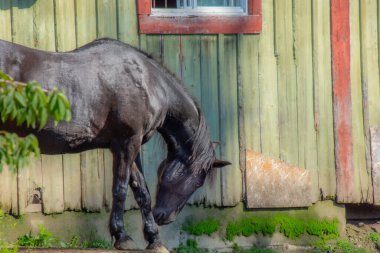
(94, 226)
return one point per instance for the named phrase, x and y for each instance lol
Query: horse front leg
(142, 197)
(123, 156)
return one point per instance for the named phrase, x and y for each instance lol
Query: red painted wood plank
(255, 7)
(200, 25)
(340, 42)
(144, 7)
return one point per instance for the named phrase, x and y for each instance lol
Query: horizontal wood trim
(144, 7)
(251, 23)
(200, 25)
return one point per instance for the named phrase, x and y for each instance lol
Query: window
(199, 16)
(198, 7)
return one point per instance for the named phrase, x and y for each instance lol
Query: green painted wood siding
(271, 93)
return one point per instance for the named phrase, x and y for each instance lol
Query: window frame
(204, 24)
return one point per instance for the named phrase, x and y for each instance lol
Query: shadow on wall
(6, 5)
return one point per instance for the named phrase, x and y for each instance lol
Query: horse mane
(202, 156)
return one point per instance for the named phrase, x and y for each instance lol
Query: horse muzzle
(163, 216)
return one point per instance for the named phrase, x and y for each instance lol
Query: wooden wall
(270, 93)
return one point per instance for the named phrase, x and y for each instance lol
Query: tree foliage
(27, 105)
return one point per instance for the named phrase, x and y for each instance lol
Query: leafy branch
(29, 105)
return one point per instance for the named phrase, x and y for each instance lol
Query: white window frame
(191, 9)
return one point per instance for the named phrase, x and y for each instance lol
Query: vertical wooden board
(268, 85)
(210, 108)
(307, 140)
(323, 98)
(340, 43)
(52, 184)
(286, 78)
(44, 26)
(22, 33)
(228, 109)
(22, 22)
(172, 55)
(127, 22)
(190, 51)
(107, 18)
(5, 20)
(8, 179)
(190, 64)
(107, 194)
(71, 163)
(375, 155)
(154, 151)
(249, 72)
(154, 46)
(72, 182)
(370, 71)
(362, 178)
(85, 21)
(249, 100)
(92, 177)
(65, 22)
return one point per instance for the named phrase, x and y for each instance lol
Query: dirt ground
(358, 231)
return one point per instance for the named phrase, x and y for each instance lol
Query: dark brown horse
(120, 97)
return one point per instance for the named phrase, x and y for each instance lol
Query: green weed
(203, 227)
(191, 246)
(247, 226)
(8, 248)
(44, 238)
(325, 229)
(374, 237)
(291, 227)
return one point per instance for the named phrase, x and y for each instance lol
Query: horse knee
(120, 192)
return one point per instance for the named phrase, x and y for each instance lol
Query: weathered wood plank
(268, 85)
(249, 72)
(190, 55)
(362, 178)
(92, 177)
(340, 34)
(44, 39)
(154, 151)
(370, 70)
(127, 22)
(22, 33)
(108, 175)
(52, 184)
(65, 24)
(229, 129)
(107, 18)
(323, 99)
(210, 108)
(287, 84)
(85, 21)
(171, 56)
(8, 180)
(49, 16)
(375, 155)
(307, 140)
(249, 100)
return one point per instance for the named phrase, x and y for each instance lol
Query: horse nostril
(158, 214)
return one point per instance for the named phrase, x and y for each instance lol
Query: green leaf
(5, 76)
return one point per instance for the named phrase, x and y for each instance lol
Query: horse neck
(185, 132)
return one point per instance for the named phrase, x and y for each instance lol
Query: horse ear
(215, 144)
(220, 163)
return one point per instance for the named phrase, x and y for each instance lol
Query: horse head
(176, 183)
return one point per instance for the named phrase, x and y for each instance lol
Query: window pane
(164, 3)
(233, 3)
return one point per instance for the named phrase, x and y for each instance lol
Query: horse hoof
(125, 244)
(157, 247)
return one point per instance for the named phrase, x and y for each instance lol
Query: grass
(289, 226)
(43, 238)
(191, 246)
(202, 227)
